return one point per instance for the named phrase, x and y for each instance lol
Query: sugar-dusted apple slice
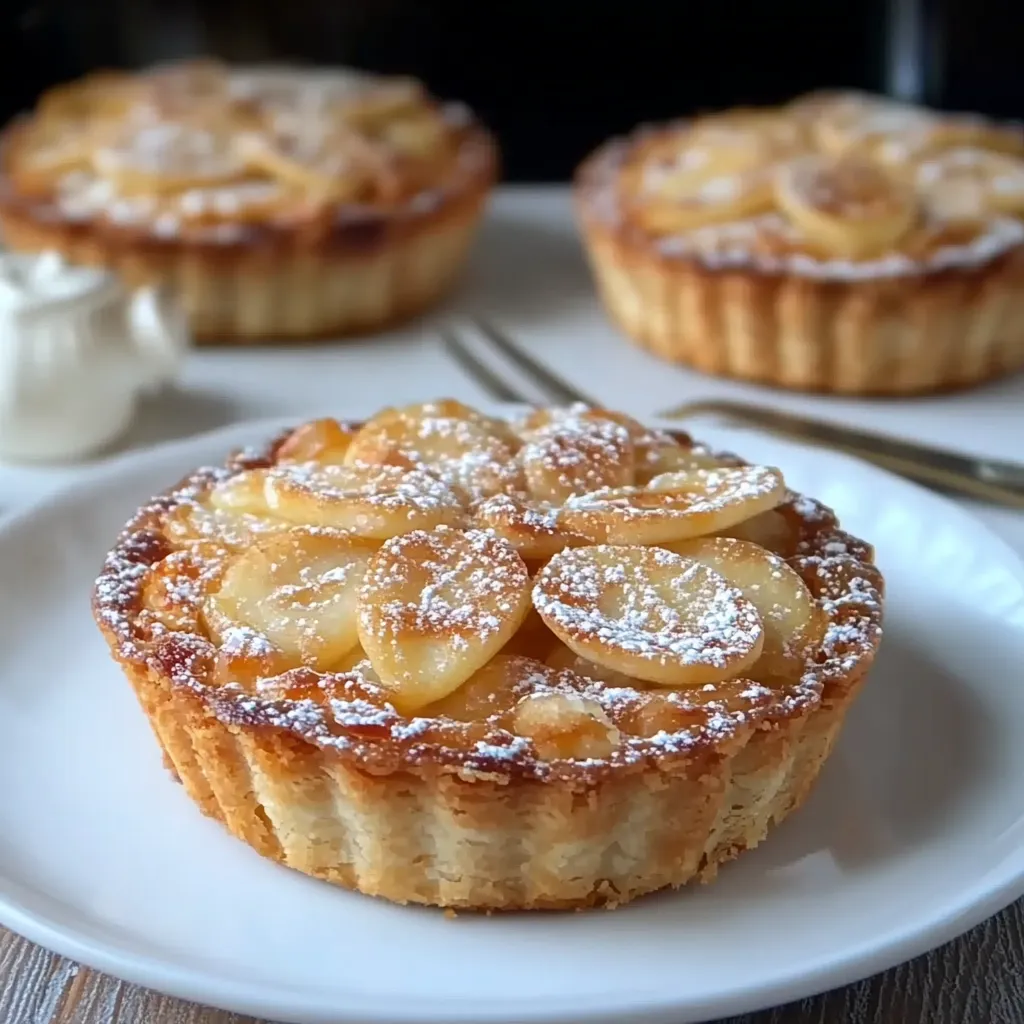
(675, 506)
(324, 441)
(655, 451)
(459, 445)
(244, 492)
(649, 613)
(793, 622)
(369, 501)
(849, 206)
(644, 438)
(576, 454)
(298, 589)
(534, 528)
(669, 456)
(190, 523)
(436, 606)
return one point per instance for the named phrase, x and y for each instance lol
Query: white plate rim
(999, 886)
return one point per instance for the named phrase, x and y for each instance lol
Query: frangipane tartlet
(278, 202)
(449, 659)
(840, 243)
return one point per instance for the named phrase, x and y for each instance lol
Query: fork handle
(989, 479)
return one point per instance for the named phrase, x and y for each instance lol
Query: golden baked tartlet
(842, 242)
(448, 659)
(279, 202)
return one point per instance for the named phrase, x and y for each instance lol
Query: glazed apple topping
(840, 185)
(200, 146)
(574, 582)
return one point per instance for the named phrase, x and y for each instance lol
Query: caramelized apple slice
(575, 455)
(771, 530)
(191, 522)
(534, 528)
(673, 711)
(436, 607)
(167, 157)
(370, 501)
(671, 457)
(324, 441)
(247, 658)
(298, 589)
(566, 726)
(464, 448)
(172, 585)
(649, 613)
(793, 622)
(675, 506)
(243, 492)
(849, 206)
(329, 163)
(561, 657)
(451, 408)
(492, 691)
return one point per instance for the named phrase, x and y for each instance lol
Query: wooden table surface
(978, 979)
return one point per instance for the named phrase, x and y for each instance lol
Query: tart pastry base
(905, 334)
(314, 813)
(462, 755)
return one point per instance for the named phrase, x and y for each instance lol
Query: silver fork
(993, 480)
(554, 387)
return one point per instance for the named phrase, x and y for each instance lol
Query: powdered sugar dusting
(443, 584)
(754, 235)
(178, 159)
(384, 487)
(575, 453)
(464, 585)
(685, 493)
(650, 603)
(733, 244)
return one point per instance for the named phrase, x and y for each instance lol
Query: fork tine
(478, 371)
(558, 389)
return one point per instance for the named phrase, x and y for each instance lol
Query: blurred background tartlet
(843, 242)
(277, 202)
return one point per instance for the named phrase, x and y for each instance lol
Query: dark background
(552, 77)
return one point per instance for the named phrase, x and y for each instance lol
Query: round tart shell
(482, 828)
(922, 331)
(363, 270)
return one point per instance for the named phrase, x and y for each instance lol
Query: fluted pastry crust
(321, 773)
(766, 292)
(349, 239)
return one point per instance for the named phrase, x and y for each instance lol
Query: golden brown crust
(467, 818)
(947, 313)
(320, 270)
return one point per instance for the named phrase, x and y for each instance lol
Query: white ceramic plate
(914, 833)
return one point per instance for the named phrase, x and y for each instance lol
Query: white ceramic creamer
(77, 350)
